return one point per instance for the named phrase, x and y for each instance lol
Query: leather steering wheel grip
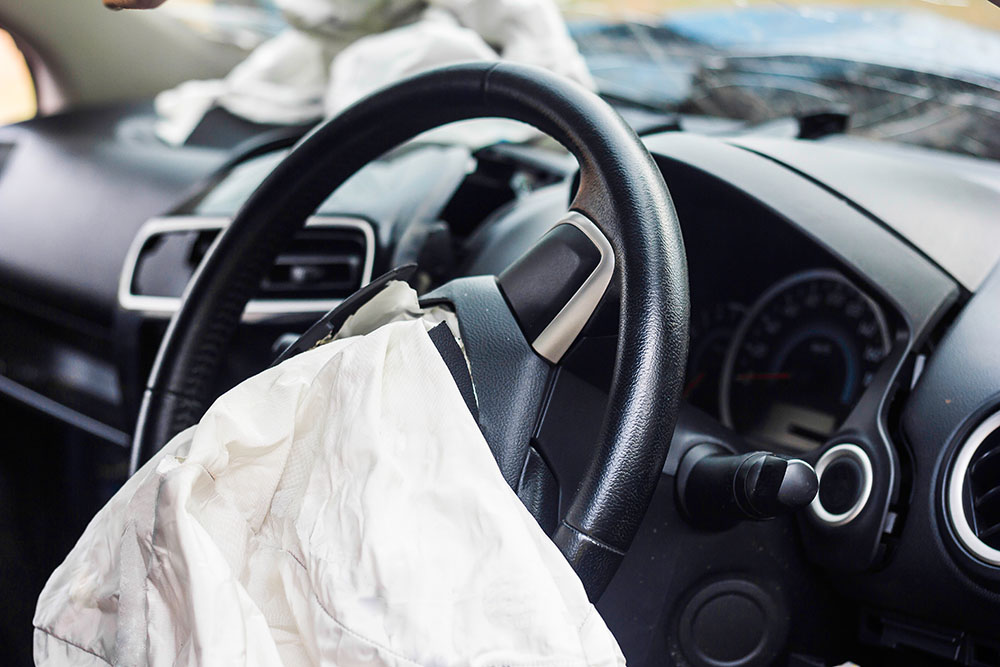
(621, 190)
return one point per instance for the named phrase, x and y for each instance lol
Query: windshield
(921, 72)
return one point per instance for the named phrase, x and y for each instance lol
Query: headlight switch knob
(718, 489)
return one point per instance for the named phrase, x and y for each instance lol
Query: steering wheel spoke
(555, 287)
(509, 378)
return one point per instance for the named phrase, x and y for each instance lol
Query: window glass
(17, 90)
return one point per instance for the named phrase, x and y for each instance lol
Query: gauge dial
(711, 331)
(800, 360)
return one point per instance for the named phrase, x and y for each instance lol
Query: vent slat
(986, 501)
(990, 535)
(986, 465)
(319, 263)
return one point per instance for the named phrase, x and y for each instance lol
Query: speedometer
(800, 359)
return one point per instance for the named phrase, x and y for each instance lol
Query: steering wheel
(620, 240)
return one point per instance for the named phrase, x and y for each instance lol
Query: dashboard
(827, 310)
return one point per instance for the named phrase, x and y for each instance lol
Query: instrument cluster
(785, 370)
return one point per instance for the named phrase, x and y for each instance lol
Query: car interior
(771, 437)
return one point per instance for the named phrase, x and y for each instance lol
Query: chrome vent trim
(257, 309)
(957, 481)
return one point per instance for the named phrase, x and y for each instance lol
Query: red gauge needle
(750, 377)
(693, 384)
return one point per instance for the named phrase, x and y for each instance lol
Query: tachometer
(800, 359)
(711, 331)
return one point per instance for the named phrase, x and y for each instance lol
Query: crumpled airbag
(334, 52)
(341, 508)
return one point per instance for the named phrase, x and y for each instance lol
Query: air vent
(974, 492)
(321, 262)
(325, 263)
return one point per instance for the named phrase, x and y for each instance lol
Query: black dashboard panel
(933, 576)
(876, 256)
(73, 193)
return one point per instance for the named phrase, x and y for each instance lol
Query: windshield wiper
(644, 117)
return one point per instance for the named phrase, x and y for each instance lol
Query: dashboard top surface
(943, 204)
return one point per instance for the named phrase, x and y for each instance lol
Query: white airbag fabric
(342, 509)
(334, 52)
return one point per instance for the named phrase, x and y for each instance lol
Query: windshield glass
(921, 72)
(917, 72)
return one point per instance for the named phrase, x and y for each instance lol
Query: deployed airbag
(334, 52)
(341, 508)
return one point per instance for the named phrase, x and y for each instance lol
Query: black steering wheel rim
(621, 190)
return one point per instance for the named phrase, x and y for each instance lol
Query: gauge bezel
(704, 331)
(725, 385)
